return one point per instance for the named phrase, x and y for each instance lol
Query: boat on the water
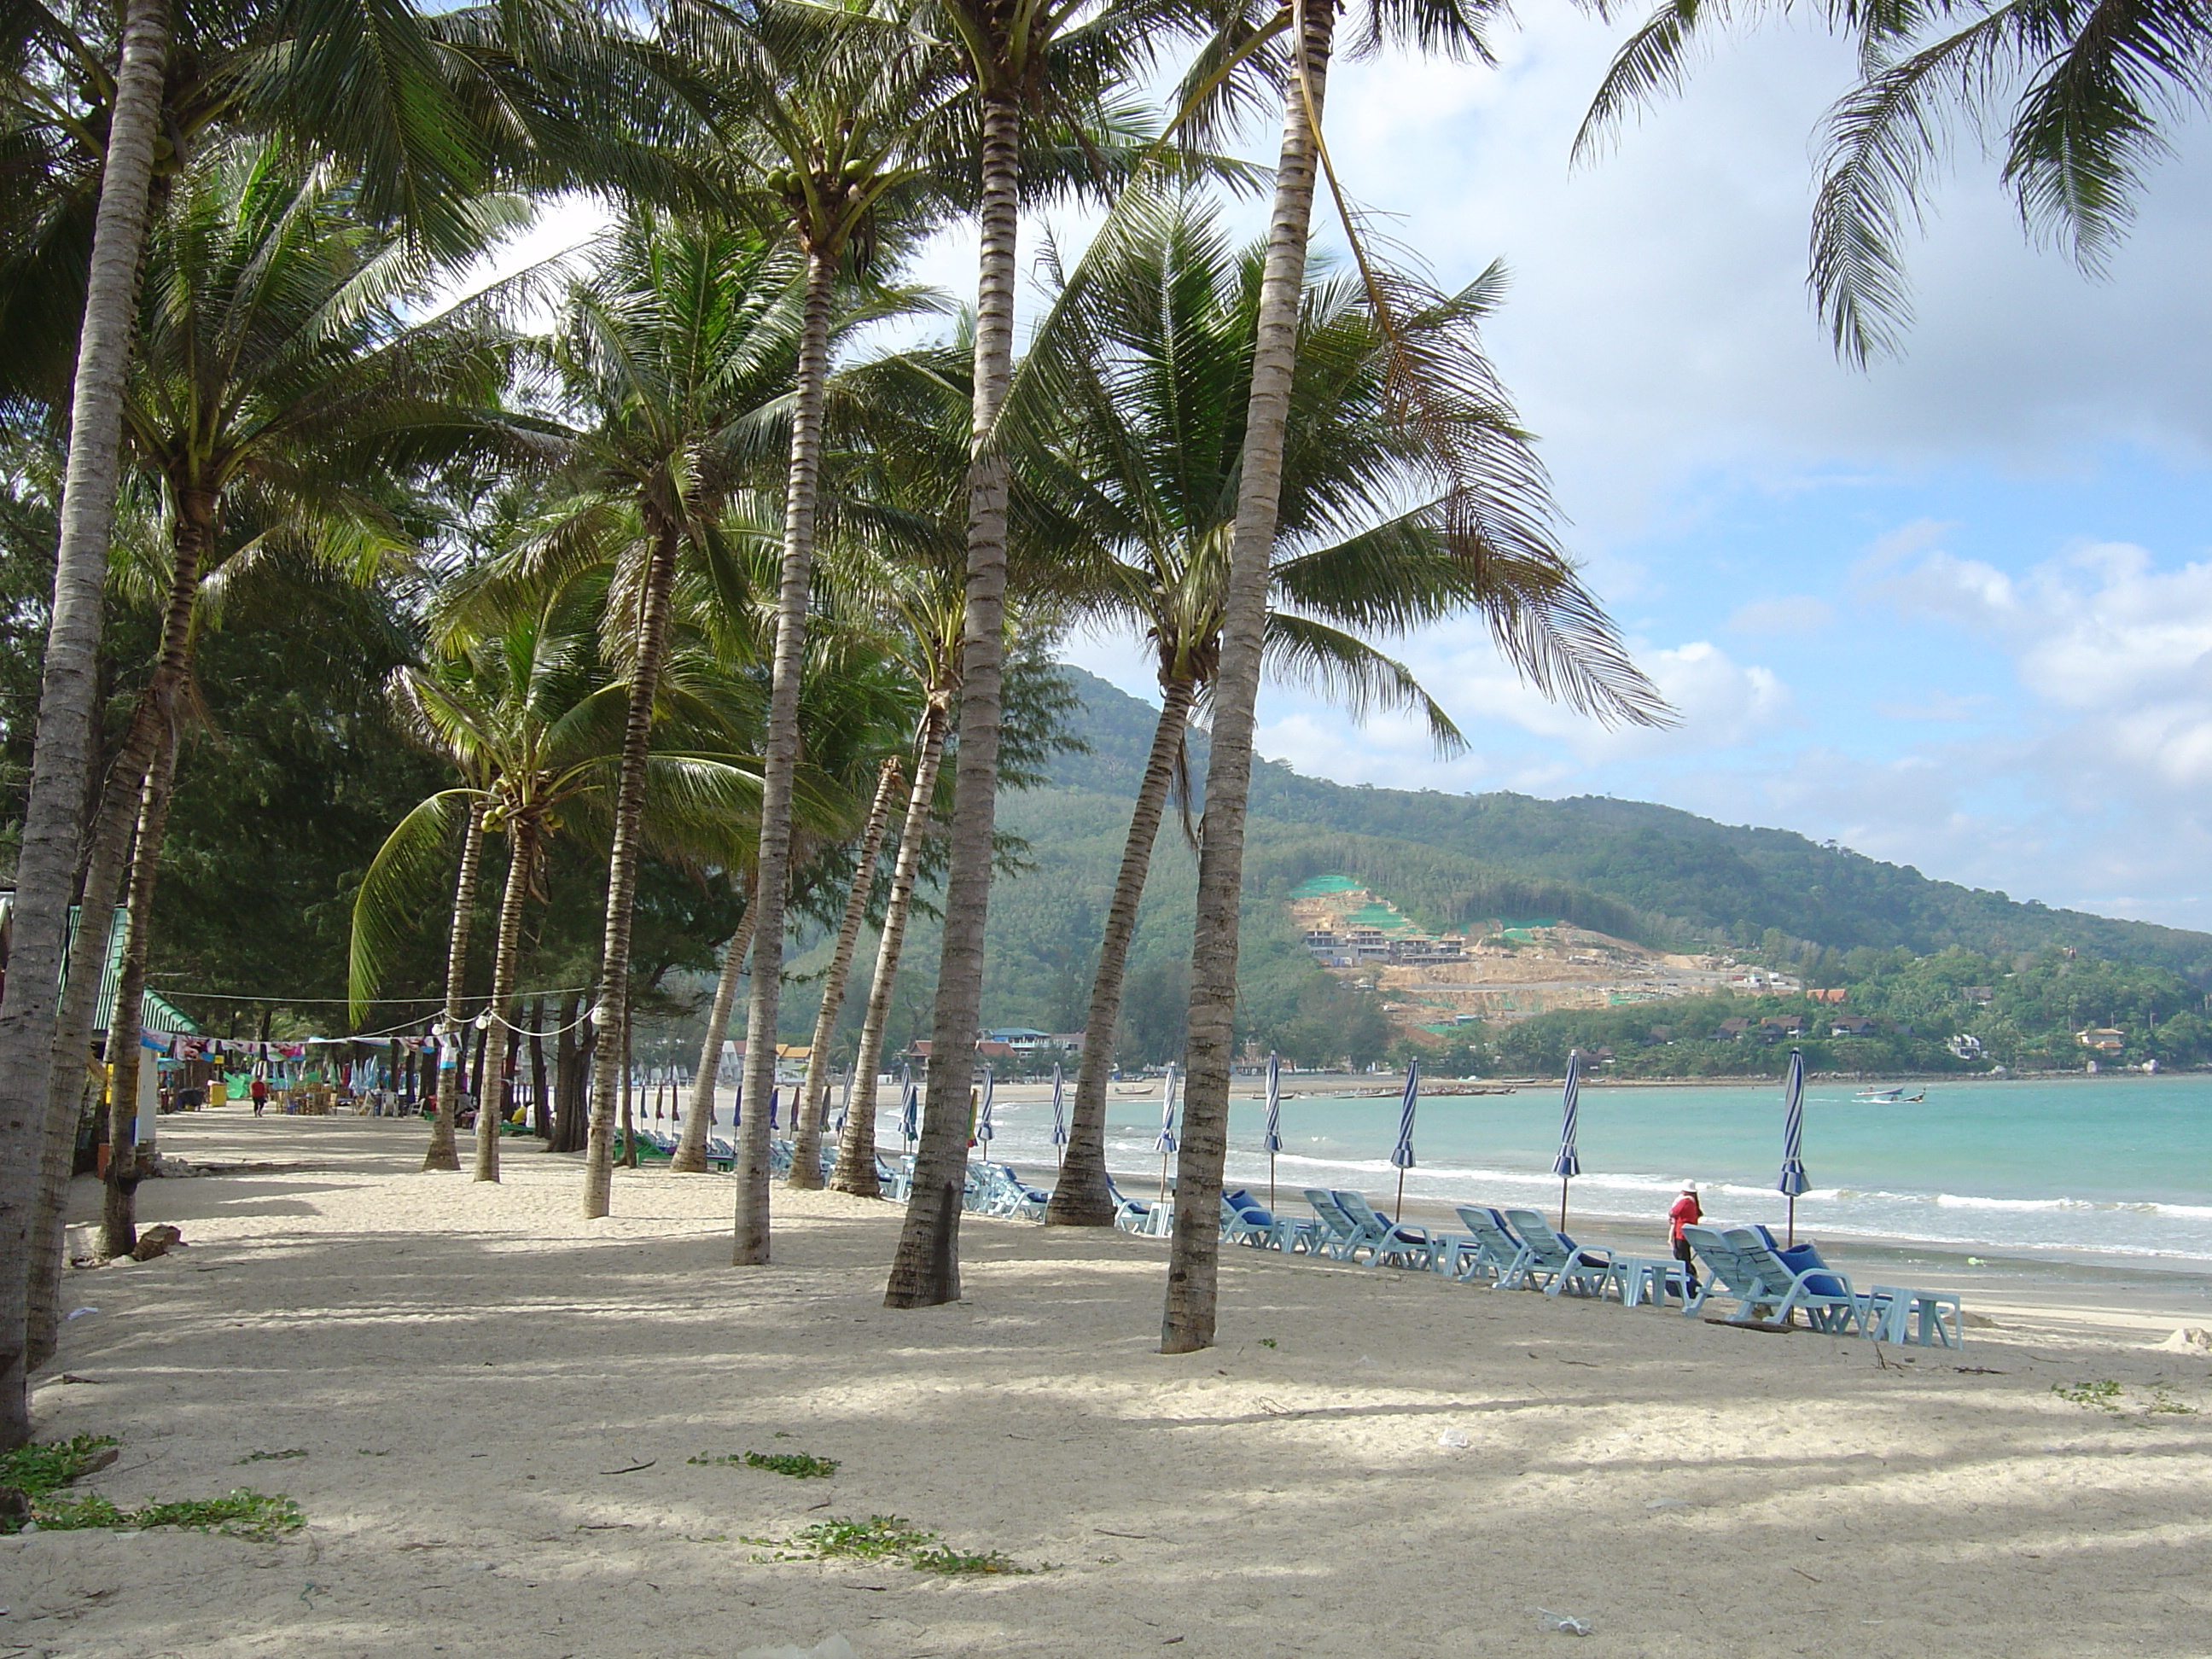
(1873, 1097)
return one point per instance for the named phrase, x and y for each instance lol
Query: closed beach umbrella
(1270, 1138)
(774, 1100)
(1402, 1154)
(1165, 1143)
(1059, 1114)
(984, 1131)
(909, 1108)
(1793, 1180)
(1567, 1164)
(845, 1103)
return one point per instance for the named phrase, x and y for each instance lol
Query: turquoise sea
(2113, 1167)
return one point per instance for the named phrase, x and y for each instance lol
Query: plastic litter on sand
(1456, 1438)
(1564, 1624)
(79, 1313)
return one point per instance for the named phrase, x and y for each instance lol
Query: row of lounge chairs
(1518, 1250)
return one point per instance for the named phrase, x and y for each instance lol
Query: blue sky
(1955, 612)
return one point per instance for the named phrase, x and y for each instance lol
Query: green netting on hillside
(1322, 886)
(1378, 916)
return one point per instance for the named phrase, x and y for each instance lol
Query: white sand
(464, 1367)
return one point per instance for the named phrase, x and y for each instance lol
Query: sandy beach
(496, 1401)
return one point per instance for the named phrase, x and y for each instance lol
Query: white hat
(1689, 1186)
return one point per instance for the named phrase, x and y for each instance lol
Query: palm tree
(1514, 524)
(279, 381)
(1017, 54)
(678, 350)
(524, 708)
(1148, 357)
(858, 122)
(902, 533)
(806, 1126)
(2080, 94)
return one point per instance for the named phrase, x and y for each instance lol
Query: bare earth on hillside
(496, 1401)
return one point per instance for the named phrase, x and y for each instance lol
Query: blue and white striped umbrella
(909, 1106)
(1166, 1143)
(774, 1100)
(736, 1108)
(1271, 1137)
(1402, 1154)
(845, 1103)
(984, 1131)
(1793, 1180)
(1567, 1163)
(1058, 1115)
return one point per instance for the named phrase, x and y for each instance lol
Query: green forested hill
(1662, 877)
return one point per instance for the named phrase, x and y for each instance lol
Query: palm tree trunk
(119, 1216)
(806, 1133)
(856, 1147)
(443, 1154)
(191, 536)
(654, 603)
(541, 1108)
(699, 1117)
(1193, 1258)
(750, 1247)
(1079, 1199)
(926, 1271)
(67, 734)
(571, 1054)
(521, 855)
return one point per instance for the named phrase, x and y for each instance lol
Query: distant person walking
(259, 1089)
(1686, 1213)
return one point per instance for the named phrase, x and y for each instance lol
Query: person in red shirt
(1686, 1213)
(259, 1088)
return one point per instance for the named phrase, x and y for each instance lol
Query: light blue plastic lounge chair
(1552, 1263)
(1930, 1318)
(1826, 1296)
(1339, 1234)
(1495, 1254)
(1129, 1216)
(1007, 1194)
(1726, 1273)
(1407, 1246)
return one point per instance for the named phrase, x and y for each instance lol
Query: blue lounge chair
(1495, 1253)
(1826, 1297)
(1403, 1245)
(1552, 1262)
(1129, 1216)
(1239, 1225)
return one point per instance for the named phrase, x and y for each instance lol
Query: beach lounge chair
(1552, 1262)
(1494, 1253)
(1239, 1225)
(1340, 1235)
(1129, 1216)
(1407, 1246)
(1826, 1296)
(1005, 1193)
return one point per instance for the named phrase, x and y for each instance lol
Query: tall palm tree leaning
(1452, 26)
(62, 758)
(1019, 55)
(859, 116)
(2091, 89)
(1147, 356)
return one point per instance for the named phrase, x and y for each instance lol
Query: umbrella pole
(1270, 1182)
(1400, 1207)
(1164, 1177)
(1563, 1203)
(1793, 1222)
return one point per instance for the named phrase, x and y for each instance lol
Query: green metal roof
(155, 1013)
